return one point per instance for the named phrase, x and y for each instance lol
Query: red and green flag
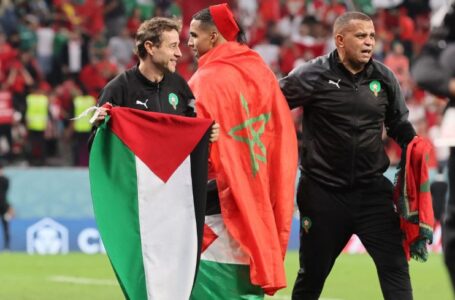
(412, 196)
(148, 174)
(254, 160)
(224, 271)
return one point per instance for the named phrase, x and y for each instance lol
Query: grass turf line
(79, 276)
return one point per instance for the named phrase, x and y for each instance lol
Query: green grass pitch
(79, 276)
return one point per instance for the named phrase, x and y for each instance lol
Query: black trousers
(448, 228)
(330, 217)
(6, 237)
(5, 130)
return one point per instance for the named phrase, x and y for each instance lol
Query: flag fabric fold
(148, 174)
(412, 196)
(224, 271)
(255, 158)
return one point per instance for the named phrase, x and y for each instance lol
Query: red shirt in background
(91, 12)
(6, 108)
(406, 28)
(269, 10)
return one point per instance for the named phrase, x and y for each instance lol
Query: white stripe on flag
(168, 232)
(224, 249)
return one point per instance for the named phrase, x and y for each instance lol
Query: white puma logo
(335, 83)
(143, 103)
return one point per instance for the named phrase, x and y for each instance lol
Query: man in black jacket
(347, 98)
(434, 71)
(153, 85)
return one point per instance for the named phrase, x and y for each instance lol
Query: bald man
(347, 98)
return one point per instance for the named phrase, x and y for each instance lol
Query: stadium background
(63, 49)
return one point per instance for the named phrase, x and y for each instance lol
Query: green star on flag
(253, 136)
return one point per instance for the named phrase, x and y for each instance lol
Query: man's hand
(101, 114)
(452, 87)
(215, 133)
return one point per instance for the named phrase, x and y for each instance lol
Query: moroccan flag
(148, 175)
(255, 158)
(413, 198)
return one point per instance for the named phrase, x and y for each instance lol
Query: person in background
(434, 71)
(37, 121)
(6, 210)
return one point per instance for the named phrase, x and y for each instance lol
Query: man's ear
(339, 40)
(214, 35)
(149, 47)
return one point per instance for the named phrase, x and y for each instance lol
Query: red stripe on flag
(209, 237)
(150, 135)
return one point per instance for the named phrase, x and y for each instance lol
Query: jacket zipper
(158, 97)
(354, 136)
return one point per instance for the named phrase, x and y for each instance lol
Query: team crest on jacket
(173, 100)
(375, 87)
(306, 224)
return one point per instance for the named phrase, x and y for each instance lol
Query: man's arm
(452, 87)
(190, 110)
(396, 120)
(111, 93)
(114, 93)
(105, 97)
(298, 86)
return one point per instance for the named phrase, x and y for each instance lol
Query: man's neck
(354, 69)
(150, 71)
(219, 41)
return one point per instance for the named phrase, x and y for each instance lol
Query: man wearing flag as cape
(254, 163)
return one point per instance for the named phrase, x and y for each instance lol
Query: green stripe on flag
(113, 182)
(224, 281)
(425, 186)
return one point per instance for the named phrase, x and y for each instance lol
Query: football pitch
(80, 276)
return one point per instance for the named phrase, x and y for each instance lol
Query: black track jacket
(343, 119)
(171, 95)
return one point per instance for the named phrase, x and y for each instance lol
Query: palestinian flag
(148, 175)
(224, 271)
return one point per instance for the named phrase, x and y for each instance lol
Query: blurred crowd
(56, 56)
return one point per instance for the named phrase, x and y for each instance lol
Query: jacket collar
(335, 63)
(146, 81)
